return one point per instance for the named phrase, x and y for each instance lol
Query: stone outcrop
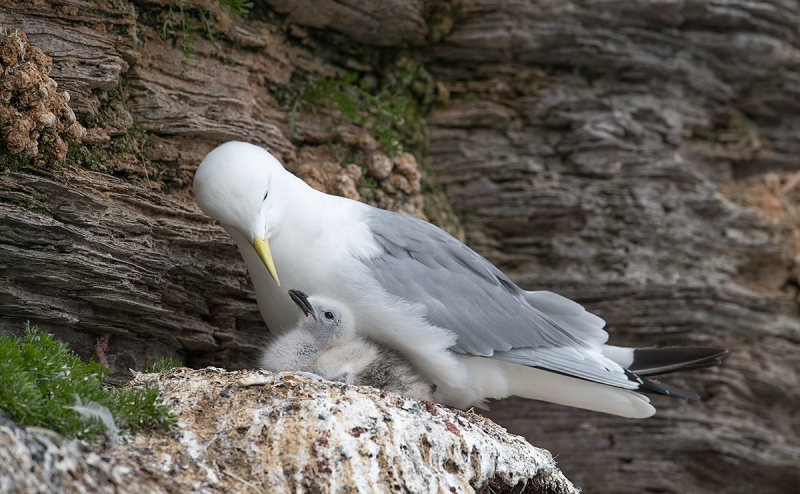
(284, 433)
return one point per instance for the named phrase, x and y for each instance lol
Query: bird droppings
(255, 380)
(286, 432)
(267, 438)
(34, 116)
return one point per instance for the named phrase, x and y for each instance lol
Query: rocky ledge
(254, 431)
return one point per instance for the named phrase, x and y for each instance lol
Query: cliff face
(585, 153)
(612, 154)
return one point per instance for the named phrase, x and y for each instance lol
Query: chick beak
(301, 299)
(265, 253)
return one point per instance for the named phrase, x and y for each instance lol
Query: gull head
(331, 321)
(236, 184)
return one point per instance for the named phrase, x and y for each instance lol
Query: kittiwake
(325, 343)
(459, 320)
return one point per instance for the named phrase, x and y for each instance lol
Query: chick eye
(328, 315)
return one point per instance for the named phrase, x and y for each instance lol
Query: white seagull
(325, 343)
(458, 319)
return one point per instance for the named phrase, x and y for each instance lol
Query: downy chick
(325, 343)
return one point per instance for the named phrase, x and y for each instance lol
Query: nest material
(34, 116)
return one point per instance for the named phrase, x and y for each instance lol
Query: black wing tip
(649, 386)
(652, 361)
(655, 387)
(694, 352)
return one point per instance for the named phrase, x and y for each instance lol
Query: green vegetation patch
(183, 20)
(389, 102)
(348, 101)
(162, 364)
(41, 381)
(14, 162)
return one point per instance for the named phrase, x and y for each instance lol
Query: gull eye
(328, 315)
(265, 195)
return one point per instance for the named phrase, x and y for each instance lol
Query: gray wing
(489, 313)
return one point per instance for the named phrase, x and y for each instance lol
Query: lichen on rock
(35, 117)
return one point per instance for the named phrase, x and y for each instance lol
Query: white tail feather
(537, 384)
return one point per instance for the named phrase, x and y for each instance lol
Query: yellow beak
(265, 253)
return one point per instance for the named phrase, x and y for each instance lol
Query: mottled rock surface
(39, 461)
(281, 433)
(284, 432)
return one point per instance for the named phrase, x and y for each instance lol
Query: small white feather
(95, 411)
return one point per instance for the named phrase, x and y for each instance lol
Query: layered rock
(584, 146)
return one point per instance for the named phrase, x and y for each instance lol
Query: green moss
(440, 17)
(133, 142)
(186, 28)
(467, 96)
(13, 162)
(38, 209)
(366, 185)
(113, 114)
(390, 102)
(348, 101)
(40, 379)
(237, 7)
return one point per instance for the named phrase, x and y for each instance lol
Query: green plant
(42, 383)
(190, 15)
(349, 102)
(236, 7)
(162, 364)
(206, 23)
(13, 162)
(186, 28)
(366, 185)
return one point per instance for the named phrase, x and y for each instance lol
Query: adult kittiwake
(325, 343)
(458, 319)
